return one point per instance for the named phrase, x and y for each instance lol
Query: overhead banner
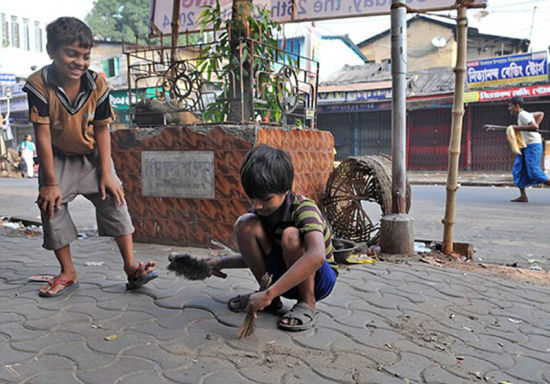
(515, 69)
(284, 11)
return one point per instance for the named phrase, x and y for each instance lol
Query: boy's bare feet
(520, 200)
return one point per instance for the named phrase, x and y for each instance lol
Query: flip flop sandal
(136, 282)
(40, 278)
(68, 285)
(239, 303)
(301, 312)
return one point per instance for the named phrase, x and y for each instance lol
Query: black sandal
(238, 304)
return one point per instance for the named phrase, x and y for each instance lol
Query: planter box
(182, 183)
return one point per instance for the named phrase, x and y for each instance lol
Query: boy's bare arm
(108, 182)
(227, 262)
(312, 259)
(539, 115)
(49, 196)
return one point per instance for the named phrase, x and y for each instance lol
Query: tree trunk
(240, 81)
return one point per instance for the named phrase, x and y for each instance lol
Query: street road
(501, 232)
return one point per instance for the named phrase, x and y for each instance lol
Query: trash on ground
(110, 337)
(420, 247)
(355, 258)
(515, 321)
(536, 261)
(9, 224)
(94, 263)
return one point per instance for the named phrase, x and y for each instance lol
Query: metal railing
(187, 88)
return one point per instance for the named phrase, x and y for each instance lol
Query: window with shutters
(5, 30)
(26, 35)
(111, 66)
(15, 32)
(38, 42)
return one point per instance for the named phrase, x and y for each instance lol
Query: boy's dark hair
(516, 100)
(266, 170)
(67, 30)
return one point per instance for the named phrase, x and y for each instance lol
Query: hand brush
(183, 264)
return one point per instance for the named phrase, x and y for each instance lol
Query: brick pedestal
(196, 221)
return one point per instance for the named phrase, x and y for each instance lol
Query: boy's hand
(111, 184)
(215, 263)
(257, 302)
(49, 198)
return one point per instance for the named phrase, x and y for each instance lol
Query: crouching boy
(285, 235)
(70, 109)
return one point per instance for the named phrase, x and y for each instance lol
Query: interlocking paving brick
(123, 340)
(51, 338)
(17, 332)
(410, 366)
(118, 369)
(425, 323)
(144, 378)
(23, 370)
(8, 355)
(160, 357)
(54, 377)
(56, 320)
(436, 374)
(82, 356)
(199, 369)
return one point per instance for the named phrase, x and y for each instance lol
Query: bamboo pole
(456, 127)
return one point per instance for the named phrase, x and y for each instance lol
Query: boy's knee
(290, 239)
(247, 223)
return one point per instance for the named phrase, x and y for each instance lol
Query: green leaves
(117, 20)
(258, 59)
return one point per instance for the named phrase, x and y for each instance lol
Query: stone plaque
(188, 174)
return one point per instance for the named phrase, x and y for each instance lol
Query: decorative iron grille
(164, 91)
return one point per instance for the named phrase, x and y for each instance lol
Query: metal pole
(399, 105)
(396, 229)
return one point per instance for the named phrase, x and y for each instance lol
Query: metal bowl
(342, 248)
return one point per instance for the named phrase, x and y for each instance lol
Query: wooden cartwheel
(359, 185)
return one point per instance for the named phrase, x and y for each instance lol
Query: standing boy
(284, 234)
(527, 170)
(70, 110)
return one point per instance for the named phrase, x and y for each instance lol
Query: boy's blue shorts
(325, 277)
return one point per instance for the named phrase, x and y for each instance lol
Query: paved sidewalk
(477, 179)
(384, 323)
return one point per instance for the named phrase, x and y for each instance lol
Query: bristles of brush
(247, 327)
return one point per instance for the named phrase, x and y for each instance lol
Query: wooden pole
(456, 127)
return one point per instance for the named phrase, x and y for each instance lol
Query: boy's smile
(71, 61)
(270, 204)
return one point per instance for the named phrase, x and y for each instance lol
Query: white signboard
(284, 11)
(186, 174)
